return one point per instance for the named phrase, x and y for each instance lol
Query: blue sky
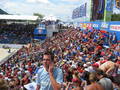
(60, 8)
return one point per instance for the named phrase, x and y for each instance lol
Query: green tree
(39, 15)
(115, 17)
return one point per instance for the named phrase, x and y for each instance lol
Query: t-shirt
(43, 78)
(106, 83)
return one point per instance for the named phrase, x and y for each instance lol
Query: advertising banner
(108, 10)
(82, 12)
(104, 26)
(113, 27)
(96, 25)
(40, 33)
(79, 11)
(101, 6)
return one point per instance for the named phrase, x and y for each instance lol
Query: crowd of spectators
(16, 33)
(90, 60)
(19, 69)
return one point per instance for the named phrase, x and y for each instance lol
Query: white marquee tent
(50, 17)
(18, 17)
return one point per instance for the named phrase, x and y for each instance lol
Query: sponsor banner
(79, 11)
(109, 5)
(104, 26)
(108, 10)
(95, 26)
(101, 6)
(109, 26)
(115, 27)
(84, 26)
(89, 26)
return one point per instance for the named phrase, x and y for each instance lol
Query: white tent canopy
(18, 17)
(50, 17)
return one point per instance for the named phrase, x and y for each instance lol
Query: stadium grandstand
(87, 55)
(16, 31)
(76, 52)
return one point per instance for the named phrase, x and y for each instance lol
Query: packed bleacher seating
(16, 33)
(88, 58)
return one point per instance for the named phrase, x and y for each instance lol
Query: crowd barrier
(113, 26)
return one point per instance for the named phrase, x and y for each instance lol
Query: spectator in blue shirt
(49, 76)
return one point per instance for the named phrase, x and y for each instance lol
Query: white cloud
(2, 2)
(41, 1)
(16, 8)
(71, 0)
(28, 8)
(44, 1)
(31, 1)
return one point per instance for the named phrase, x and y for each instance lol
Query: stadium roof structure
(3, 12)
(18, 17)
